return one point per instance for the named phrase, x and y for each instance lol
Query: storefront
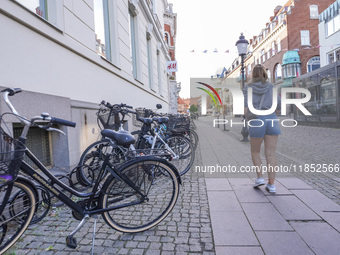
(324, 85)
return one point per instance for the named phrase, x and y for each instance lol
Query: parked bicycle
(131, 197)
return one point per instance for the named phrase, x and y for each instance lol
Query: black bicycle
(131, 197)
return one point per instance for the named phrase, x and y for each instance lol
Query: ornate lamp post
(242, 47)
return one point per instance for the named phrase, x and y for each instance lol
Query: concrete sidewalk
(297, 220)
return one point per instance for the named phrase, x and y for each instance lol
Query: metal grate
(38, 142)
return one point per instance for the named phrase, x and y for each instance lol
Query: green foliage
(193, 108)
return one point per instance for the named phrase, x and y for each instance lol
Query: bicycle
(131, 197)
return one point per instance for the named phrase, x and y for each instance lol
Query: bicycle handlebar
(58, 121)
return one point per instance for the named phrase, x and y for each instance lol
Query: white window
(331, 58)
(305, 40)
(263, 56)
(50, 10)
(278, 43)
(313, 64)
(268, 51)
(269, 75)
(249, 69)
(133, 42)
(273, 48)
(101, 28)
(159, 72)
(278, 72)
(314, 11)
(149, 55)
(333, 25)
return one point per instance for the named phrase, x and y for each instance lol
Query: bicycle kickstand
(71, 241)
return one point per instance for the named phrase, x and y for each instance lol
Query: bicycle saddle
(161, 120)
(123, 138)
(145, 120)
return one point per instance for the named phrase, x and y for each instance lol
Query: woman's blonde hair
(259, 74)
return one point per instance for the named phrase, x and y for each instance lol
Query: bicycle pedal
(71, 242)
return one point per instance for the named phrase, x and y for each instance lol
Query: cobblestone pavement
(304, 145)
(186, 230)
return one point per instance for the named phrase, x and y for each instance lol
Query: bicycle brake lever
(55, 129)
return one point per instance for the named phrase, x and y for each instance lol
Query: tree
(193, 108)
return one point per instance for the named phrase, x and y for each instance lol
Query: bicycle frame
(50, 185)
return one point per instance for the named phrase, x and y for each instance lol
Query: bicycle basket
(11, 155)
(109, 118)
(160, 153)
(178, 123)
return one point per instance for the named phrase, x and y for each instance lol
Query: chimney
(171, 7)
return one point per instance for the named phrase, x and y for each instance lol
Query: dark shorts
(264, 125)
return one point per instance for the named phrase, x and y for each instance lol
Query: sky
(214, 24)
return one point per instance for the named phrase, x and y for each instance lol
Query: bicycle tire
(193, 138)
(5, 192)
(13, 226)
(183, 149)
(157, 178)
(91, 159)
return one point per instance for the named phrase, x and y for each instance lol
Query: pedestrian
(264, 128)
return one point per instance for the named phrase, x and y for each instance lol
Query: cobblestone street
(304, 145)
(215, 212)
(186, 229)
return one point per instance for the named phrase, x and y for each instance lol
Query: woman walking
(264, 128)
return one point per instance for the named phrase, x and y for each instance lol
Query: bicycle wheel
(156, 179)
(17, 214)
(185, 154)
(92, 158)
(192, 135)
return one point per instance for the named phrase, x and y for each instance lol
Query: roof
(291, 57)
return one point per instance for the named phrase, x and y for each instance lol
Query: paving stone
(277, 243)
(291, 208)
(319, 236)
(293, 183)
(223, 201)
(232, 228)
(316, 201)
(264, 216)
(230, 250)
(217, 184)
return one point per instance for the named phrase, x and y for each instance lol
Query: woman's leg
(255, 148)
(270, 142)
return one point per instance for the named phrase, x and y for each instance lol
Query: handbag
(250, 115)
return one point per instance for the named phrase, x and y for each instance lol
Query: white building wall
(62, 61)
(328, 45)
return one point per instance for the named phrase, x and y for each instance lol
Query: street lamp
(242, 47)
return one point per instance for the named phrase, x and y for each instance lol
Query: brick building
(288, 45)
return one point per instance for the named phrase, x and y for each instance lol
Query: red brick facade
(292, 18)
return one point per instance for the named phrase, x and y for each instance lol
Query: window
(50, 10)
(278, 43)
(167, 38)
(249, 69)
(263, 56)
(269, 75)
(330, 58)
(313, 64)
(273, 48)
(305, 37)
(333, 25)
(149, 55)
(337, 55)
(133, 39)
(159, 72)
(278, 72)
(268, 51)
(292, 70)
(101, 23)
(314, 11)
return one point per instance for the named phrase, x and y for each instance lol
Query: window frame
(305, 37)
